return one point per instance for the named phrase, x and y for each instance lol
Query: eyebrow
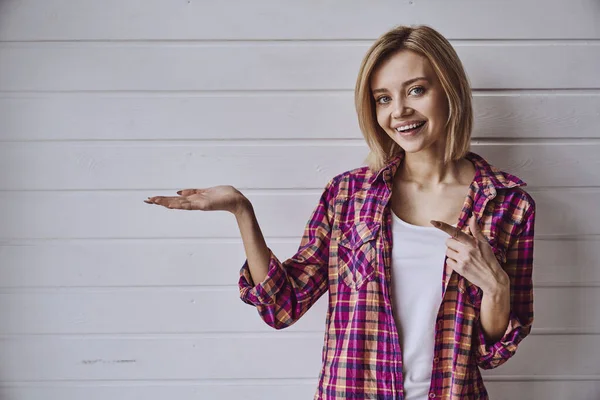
(408, 82)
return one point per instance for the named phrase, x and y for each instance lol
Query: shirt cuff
(264, 292)
(494, 354)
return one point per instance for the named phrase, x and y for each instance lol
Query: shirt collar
(488, 177)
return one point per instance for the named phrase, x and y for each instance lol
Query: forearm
(255, 246)
(494, 312)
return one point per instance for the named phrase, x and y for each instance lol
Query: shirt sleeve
(519, 266)
(291, 287)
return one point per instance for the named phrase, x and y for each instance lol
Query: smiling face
(410, 103)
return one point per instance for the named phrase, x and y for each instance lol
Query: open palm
(223, 197)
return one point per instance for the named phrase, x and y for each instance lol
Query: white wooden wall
(103, 103)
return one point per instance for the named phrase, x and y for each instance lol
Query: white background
(103, 103)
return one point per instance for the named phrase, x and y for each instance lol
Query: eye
(382, 100)
(421, 88)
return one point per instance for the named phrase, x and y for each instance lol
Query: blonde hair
(430, 44)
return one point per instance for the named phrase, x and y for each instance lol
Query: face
(410, 102)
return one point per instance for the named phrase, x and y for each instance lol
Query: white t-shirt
(418, 254)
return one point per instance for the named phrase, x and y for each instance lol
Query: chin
(410, 146)
(411, 149)
(417, 144)
(415, 147)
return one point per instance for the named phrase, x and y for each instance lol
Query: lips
(413, 131)
(413, 124)
(407, 123)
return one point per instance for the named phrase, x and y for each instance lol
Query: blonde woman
(426, 252)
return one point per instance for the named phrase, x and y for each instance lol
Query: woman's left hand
(471, 256)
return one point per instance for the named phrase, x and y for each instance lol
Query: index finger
(451, 230)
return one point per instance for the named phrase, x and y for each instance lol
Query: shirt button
(431, 395)
(436, 360)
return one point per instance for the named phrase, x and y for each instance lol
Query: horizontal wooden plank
(564, 261)
(49, 358)
(216, 310)
(268, 19)
(262, 390)
(274, 66)
(103, 165)
(272, 165)
(193, 262)
(305, 115)
(271, 356)
(268, 390)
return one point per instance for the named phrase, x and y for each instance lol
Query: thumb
(474, 228)
(186, 192)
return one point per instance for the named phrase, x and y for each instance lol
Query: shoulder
(514, 191)
(510, 193)
(349, 182)
(517, 203)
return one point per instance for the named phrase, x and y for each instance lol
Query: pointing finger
(452, 231)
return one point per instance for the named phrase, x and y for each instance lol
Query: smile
(410, 129)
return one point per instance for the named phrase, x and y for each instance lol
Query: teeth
(407, 127)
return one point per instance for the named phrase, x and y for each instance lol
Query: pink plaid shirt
(346, 251)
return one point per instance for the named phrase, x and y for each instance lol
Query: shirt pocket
(357, 253)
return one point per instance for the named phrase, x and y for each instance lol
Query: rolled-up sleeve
(291, 287)
(519, 266)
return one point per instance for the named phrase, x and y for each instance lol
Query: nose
(399, 109)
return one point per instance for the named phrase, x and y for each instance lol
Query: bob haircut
(430, 44)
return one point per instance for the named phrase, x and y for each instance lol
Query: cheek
(381, 120)
(437, 116)
(442, 108)
(435, 107)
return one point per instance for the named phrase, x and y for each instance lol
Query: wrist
(499, 287)
(242, 207)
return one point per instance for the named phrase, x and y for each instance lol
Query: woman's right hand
(224, 197)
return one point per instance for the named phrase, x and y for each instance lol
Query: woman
(426, 253)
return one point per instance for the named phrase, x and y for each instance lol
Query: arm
(286, 290)
(492, 353)
(495, 311)
(257, 252)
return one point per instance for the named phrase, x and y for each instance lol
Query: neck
(427, 170)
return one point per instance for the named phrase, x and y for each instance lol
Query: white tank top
(418, 254)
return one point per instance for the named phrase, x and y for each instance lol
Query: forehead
(400, 67)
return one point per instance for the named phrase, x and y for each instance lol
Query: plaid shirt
(346, 250)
